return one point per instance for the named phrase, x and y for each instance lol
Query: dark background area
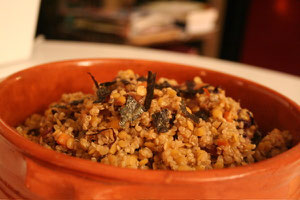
(261, 33)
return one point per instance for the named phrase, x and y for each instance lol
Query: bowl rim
(46, 156)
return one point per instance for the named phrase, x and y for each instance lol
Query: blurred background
(262, 33)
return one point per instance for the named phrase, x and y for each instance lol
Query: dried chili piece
(161, 121)
(131, 111)
(187, 114)
(150, 90)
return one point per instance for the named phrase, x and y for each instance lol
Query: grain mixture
(138, 122)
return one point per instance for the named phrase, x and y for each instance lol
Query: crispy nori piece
(76, 102)
(161, 121)
(216, 90)
(142, 78)
(131, 111)
(248, 123)
(102, 89)
(203, 114)
(187, 114)
(95, 81)
(256, 137)
(166, 84)
(60, 106)
(190, 92)
(125, 82)
(34, 132)
(102, 93)
(150, 90)
(175, 137)
(172, 119)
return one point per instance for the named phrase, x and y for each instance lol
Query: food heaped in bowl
(137, 122)
(30, 171)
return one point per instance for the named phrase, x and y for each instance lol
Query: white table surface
(48, 50)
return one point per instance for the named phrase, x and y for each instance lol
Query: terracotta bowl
(28, 170)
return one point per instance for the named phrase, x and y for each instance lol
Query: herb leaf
(161, 121)
(150, 90)
(131, 111)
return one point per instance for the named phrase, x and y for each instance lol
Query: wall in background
(272, 35)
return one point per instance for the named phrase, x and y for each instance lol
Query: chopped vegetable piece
(206, 91)
(150, 90)
(187, 114)
(131, 111)
(161, 121)
(203, 114)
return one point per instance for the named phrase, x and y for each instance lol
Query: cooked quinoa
(138, 122)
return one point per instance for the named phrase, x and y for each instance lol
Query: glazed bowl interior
(32, 90)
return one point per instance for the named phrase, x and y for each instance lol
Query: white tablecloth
(48, 51)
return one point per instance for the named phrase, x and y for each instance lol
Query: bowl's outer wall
(30, 91)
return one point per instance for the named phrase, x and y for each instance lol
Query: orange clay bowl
(28, 170)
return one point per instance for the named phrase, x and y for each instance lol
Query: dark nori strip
(252, 122)
(216, 90)
(34, 132)
(175, 137)
(102, 90)
(131, 111)
(76, 102)
(257, 137)
(150, 90)
(95, 81)
(220, 125)
(187, 114)
(142, 78)
(166, 84)
(125, 82)
(102, 93)
(203, 114)
(172, 119)
(60, 106)
(190, 92)
(190, 85)
(161, 121)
